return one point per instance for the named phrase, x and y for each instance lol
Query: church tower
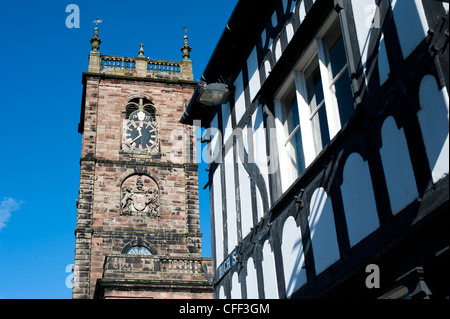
(138, 232)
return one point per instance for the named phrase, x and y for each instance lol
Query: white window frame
(309, 126)
(318, 50)
(288, 173)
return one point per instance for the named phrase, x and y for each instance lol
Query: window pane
(343, 86)
(297, 139)
(130, 109)
(292, 119)
(337, 57)
(324, 132)
(344, 98)
(292, 142)
(318, 90)
(316, 97)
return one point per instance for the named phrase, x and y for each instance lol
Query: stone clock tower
(138, 233)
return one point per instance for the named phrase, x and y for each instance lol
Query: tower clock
(140, 133)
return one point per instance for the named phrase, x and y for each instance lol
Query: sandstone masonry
(111, 178)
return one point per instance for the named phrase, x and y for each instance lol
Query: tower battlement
(140, 66)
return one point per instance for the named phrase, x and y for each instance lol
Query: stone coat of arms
(139, 200)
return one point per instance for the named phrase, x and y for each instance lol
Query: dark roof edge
(236, 28)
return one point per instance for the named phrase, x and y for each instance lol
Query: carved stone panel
(140, 196)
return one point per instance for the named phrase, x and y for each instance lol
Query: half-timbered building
(329, 159)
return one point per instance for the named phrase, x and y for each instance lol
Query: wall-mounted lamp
(214, 94)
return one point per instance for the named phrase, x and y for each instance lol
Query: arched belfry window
(140, 104)
(131, 107)
(149, 108)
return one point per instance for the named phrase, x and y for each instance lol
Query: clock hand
(140, 135)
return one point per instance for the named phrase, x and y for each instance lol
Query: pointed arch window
(140, 104)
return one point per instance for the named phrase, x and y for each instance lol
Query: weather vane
(185, 30)
(97, 21)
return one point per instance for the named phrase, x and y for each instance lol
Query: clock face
(139, 250)
(140, 133)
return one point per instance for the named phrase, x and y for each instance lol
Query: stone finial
(141, 50)
(141, 63)
(186, 49)
(95, 41)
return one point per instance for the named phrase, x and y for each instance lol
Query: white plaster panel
(226, 122)
(278, 49)
(397, 166)
(285, 4)
(289, 31)
(251, 280)
(434, 120)
(358, 199)
(235, 287)
(253, 74)
(274, 19)
(259, 143)
(216, 140)
(269, 273)
(364, 12)
(411, 23)
(218, 217)
(246, 200)
(240, 98)
(259, 205)
(323, 231)
(231, 201)
(267, 68)
(221, 293)
(293, 256)
(301, 11)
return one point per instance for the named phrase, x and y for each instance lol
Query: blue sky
(40, 88)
